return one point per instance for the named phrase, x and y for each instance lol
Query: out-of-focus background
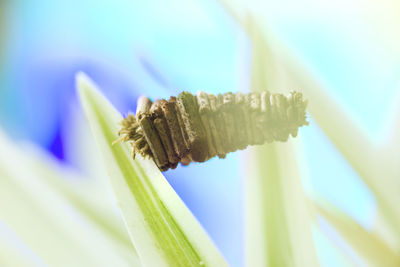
(159, 48)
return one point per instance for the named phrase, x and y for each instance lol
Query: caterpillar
(199, 127)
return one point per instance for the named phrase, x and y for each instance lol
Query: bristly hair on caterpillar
(199, 127)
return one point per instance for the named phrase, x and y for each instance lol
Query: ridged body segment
(199, 127)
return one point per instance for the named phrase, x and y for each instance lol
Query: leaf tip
(83, 83)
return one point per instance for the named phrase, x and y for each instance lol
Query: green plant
(162, 229)
(275, 66)
(53, 219)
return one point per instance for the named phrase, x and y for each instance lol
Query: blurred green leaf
(278, 223)
(162, 229)
(377, 170)
(46, 222)
(82, 192)
(377, 166)
(368, 245)
(278, 219)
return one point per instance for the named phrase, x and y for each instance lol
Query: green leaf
(374, 165)
(162, 229)
(377, 166)
(52, 226)
(367, 244)
(278, 225)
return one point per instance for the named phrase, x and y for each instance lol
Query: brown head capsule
(196, 128)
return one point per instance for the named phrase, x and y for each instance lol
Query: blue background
(159, 48)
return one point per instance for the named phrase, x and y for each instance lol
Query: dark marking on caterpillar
(199, 127)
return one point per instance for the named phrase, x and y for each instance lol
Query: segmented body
(199, 127)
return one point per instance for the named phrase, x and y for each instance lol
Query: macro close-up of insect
(170, 133)
(199, 127)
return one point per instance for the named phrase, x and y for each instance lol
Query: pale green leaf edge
(367, 244)
(274, 190)
(51, 227)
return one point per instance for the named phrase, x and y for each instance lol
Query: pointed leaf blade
(162, 229)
